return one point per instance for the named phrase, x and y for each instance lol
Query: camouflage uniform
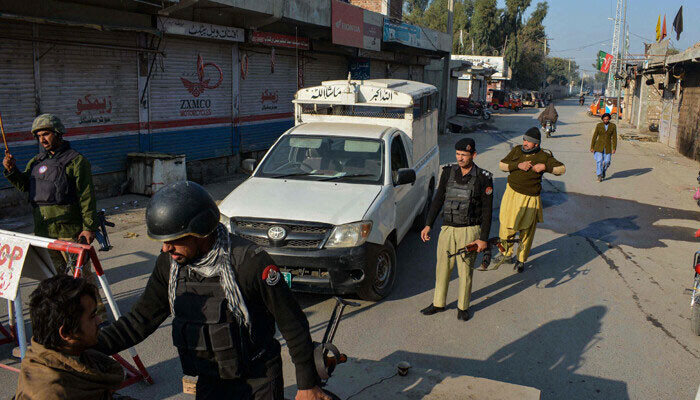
(64, 222)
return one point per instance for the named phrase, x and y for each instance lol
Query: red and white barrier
(36, 263)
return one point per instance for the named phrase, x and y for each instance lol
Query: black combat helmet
(181, 209)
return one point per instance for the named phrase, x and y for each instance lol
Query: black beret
(466, 144)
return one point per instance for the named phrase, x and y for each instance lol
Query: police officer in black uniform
(465, 194)
(226, 295)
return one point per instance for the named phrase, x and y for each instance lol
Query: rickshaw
(531, 99)
(503, 99)
(602, 105)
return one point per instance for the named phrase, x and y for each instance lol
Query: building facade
(212, 83)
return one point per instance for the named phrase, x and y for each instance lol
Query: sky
(580, 28)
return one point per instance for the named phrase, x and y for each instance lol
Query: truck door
(403, 193)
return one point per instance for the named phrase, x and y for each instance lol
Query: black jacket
(267, 305)
(482, 200)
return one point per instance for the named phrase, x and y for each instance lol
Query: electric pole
(611, 89)
(621, 63)
(442, 121)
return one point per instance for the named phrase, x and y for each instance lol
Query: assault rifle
(471, 248)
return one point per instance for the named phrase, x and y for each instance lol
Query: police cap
(466, 144)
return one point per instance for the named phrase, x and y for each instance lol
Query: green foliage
(561, 70)
(485, 27)
(493, 31)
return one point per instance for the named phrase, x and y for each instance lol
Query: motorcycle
(695, 296)
(549, 127)
(473, 109)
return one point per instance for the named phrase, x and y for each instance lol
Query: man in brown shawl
(59, 364)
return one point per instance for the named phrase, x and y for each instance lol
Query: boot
(519, 266)
(431, 309)
(464, 315)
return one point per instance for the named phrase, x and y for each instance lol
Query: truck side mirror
(405, 176)
(248, 165)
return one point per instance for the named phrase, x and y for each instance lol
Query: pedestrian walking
(521, 205)
(465, 195)
(61, 192)
(227, 298)
(603, 145)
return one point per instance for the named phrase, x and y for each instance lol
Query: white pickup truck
(336, 194)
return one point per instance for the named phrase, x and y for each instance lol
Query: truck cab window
(398, 156)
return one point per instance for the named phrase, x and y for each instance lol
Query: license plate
(287, 278)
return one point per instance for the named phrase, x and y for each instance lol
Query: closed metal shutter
(94, 91)
(191, 109)
(377, 69)
(416, 73)
(324, 67)
(266, 108)
(17, 93)
(398, 71)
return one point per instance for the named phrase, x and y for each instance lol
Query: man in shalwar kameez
(521, 205)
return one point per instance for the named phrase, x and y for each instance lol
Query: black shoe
(431, 309)
(519, 266)
(464, 315)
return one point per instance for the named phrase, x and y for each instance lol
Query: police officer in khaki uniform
(465, 194)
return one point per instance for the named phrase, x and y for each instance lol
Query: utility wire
(580, 47)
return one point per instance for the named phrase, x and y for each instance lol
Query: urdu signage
(200, 30)
(279, 40)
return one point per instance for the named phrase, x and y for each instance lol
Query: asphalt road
(601, 311)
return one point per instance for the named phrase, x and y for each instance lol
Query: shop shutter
(191, 99)
(266, 109)
(324, 67)
(94, 91)
(416, 73)
(398, 71)
(377, 69)
(17, 104)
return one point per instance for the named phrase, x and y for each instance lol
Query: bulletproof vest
(48, 182)
(458, 199)
(206, 334)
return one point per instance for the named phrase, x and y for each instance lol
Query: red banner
(278, 40)
(347, 23)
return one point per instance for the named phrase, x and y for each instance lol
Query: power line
(580, 48)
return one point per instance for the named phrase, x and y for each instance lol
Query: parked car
(335, 195)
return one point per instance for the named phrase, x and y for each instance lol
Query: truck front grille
(300, 235)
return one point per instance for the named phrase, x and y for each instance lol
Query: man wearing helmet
(226, 296)
(59, 183)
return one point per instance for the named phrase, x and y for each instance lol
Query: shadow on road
(546, 358)
(630, 172)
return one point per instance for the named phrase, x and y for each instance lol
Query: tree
(560, 70)
(528, 67)
(485, 26)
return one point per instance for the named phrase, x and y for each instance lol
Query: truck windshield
(324, 158)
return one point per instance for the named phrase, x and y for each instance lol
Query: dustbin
(148, 172)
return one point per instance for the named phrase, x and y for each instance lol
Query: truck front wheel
(379, 273)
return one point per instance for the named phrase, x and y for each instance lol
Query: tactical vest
(458, 199)
(48, 183)
(207, 336)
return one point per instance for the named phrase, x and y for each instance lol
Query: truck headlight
(349, 235)
(225, 220)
